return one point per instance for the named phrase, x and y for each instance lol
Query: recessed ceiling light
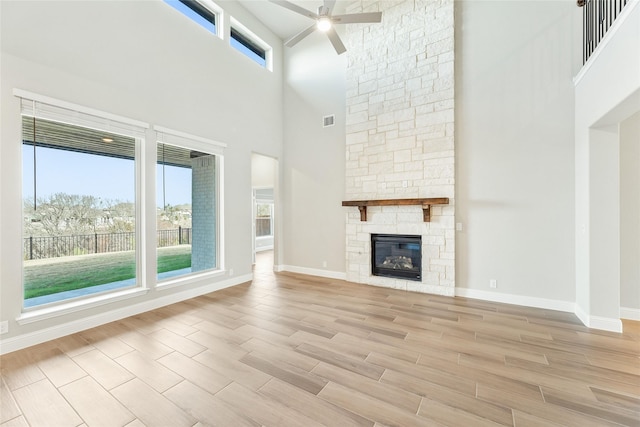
(107, 139)
(324, 24)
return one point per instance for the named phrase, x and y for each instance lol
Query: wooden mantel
(425, 203)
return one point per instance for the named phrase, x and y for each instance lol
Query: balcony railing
(597, 16)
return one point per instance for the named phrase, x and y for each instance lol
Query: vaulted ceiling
(282, 22)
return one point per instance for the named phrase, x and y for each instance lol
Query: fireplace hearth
(397, 256)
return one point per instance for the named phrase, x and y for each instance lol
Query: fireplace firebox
(398, 256)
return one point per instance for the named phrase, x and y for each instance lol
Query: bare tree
(63, 214)
(60, 215)
(174, 216)
(120, 216)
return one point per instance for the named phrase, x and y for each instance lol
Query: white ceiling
(283, 22)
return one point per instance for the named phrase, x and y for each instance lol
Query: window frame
(185, 140)
(146, 157)
(252, 42)
(77, 115)
(206, 9)
(271, 211)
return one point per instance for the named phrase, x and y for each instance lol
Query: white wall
(519, 175)
(514, 150)
(145, 61)
(630, 217)
(607, 91)
(514, 145)
(313, 166)
(263, 171)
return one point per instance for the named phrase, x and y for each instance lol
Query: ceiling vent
(329, 120)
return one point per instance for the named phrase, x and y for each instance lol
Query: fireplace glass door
(398, 256)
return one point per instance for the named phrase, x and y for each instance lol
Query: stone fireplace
(400, 137)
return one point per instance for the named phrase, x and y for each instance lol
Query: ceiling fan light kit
(326, 22)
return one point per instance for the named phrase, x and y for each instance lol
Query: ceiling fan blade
(302, 34)
(358, 18)
(295, 8)
(335, 41)
(329, 4)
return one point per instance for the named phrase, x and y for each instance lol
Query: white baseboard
(605, 324)
(582, 315)
(19, 342)
(339, 275)
(595, 322)
(549, 304)
(630, 313)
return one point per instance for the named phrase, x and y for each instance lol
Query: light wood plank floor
(294, 350)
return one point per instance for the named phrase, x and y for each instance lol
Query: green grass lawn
(54, 275)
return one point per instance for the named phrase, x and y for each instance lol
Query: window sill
(39, 314)
(188, 279)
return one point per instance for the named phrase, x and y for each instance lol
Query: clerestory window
(247, 43)
(208, 15)
(204, 13)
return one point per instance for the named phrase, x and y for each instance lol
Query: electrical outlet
(493, 283)
(4, 327)
(231, 272)
(458, 226)
(324, 264)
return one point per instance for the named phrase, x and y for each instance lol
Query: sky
(61, 171)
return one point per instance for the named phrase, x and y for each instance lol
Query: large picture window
(80, 227)
(86, 231)
(187, 177)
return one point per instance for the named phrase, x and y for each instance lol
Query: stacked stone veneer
(400, 135)
(203, 213)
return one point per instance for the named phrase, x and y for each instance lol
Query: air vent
(328, 120)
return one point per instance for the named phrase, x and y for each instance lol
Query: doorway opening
(264, 172)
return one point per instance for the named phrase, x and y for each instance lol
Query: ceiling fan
(325, 22)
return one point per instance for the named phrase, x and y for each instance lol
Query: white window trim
(254, 38)
(219, 12)
(44, 107)
(271, 215)
(49, 312)
(182, 139)
(74, 114)
(215, 10)
(176, 137)
(189, 279)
